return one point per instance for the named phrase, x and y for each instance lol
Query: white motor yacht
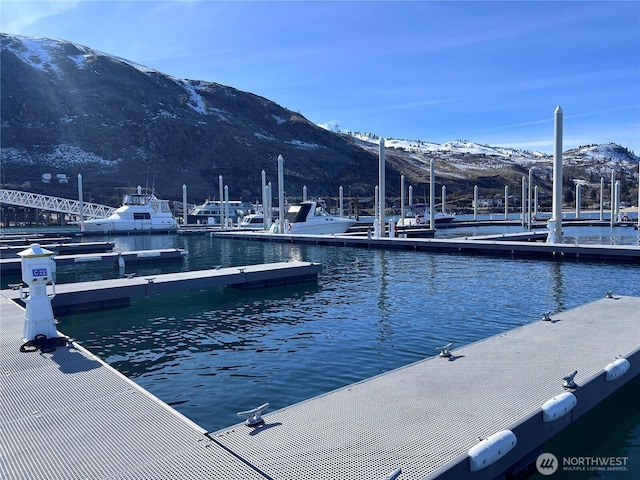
(139, 213)
(309, 218)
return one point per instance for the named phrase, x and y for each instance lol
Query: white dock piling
(506, 202)
(444, 198)
(432, 195)
(475, 202)
(601, 198)
(265, 217)
(556, 214)
(401, 220)
(221, 195)
(80, 203)
(381, 183)
(281, 192)
(184, 204)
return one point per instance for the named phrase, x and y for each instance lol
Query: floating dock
(99, 295)
(107, 260)
(60, 248)
(426, 418)
(67, 414)
(501, 245)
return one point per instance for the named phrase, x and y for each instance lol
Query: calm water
(213, 353)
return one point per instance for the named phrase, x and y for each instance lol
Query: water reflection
(557, 286)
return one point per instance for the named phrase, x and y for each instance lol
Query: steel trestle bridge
(54, 204)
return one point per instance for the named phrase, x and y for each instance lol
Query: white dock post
(506, 202)
(341, 190)
(444, 198)
(264, 200)
(401, 202)
(376, 209)
(410, 195)
(381, 183)
(601, 198)
(184, 204)
(227, 219)
(475, 202)
(524, 201)
(556, 215)
(529, 192)
(304, 193)
(80, 203)
(270, 201)
(578, 193)
(617, 197)
(281, 192)
(535, 201)
(221, 194)
(139, 190)
(432, 194)
(38, 268)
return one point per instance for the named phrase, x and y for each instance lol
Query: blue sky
(490, 72)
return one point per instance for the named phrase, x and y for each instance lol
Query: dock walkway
(67, 414)
(110, 259)
(99, 295)
(501, 247)
(424, 418)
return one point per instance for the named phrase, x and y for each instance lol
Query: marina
(211, 353)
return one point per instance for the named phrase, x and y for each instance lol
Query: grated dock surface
(67, 415)
(422, 417)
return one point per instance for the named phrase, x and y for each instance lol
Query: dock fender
(491, 449)
(558, 406)
(616, 369)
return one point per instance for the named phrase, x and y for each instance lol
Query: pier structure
(106, 260)
(478, 411)
(517, 245)
(117, 293)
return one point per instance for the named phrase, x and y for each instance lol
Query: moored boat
(310, 218)
(418, 214)
(139, 213)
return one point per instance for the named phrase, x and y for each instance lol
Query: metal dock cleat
(546, 316)
(393, 475)
(444, 351)
(568, 380)
(253, 416)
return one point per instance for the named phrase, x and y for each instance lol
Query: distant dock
(110, 259)
(503, 245)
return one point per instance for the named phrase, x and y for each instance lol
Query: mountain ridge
(67, 107)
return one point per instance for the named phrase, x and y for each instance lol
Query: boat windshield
(298, 213)
(136, 199)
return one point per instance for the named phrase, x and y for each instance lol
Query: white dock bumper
(617, 369)
(558, 406)
(491, 449)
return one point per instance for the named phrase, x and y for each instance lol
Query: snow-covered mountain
(66, 108)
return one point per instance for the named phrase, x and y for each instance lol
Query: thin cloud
(17, 15)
